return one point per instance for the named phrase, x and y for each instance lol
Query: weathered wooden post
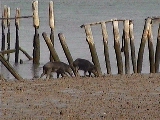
(10, 68)
(157, 54)
(50, 46)
(133, 56)
(151, 49)
(36, 43)
(51, 24)
(66, 51)
(17, 20)
(27, 55)
(117, 46)
(106, 50)
(142, 45)
(89, 39)
(3, 34)
(8, 34)
(126, 46)
(4, 24)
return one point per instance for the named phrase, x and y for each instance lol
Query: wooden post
(132, 47)
(157, 54)
(8, 34)
(17, 36)
(51, 24)
(10, 68)
(50, 46)
(151, 49)
(126, 46)
(5, 14)
(66, 51)
(142, 45)
(89, 39)
(24, 52)
(117, 47)
(36, 43)
(3, 35)
(106, 50)
(4, 24)
(13, 50)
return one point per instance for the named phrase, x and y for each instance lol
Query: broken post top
(35, 14)
(17, 20)
(51, 15)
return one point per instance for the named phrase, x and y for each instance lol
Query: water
(69, 16)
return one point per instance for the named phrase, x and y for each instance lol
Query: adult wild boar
(86, 66)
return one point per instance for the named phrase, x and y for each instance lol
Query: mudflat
(112, 97)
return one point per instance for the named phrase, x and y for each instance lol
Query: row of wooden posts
(127, 39)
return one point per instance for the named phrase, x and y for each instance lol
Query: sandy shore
(114, 97)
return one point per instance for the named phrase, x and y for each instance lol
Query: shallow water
(69, 16)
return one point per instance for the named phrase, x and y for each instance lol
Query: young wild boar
(86, 66)
(58, 67)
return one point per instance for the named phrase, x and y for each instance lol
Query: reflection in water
(36, 70)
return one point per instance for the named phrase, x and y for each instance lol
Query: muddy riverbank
(111, 97)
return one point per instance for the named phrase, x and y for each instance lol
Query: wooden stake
(157, 54)
(51, 24)
(50, 46)
(89, 39)
(151, 49)
(5, 15)
(36, 47)
(51, 15)
(36, 43)
(17, 36)
(3, 35)
(13, 50)
(35, 14)
(66, 51)
(24, 52)
(10, 68)
(126, 46)
(106, 50)
(8, 34)
(117, 47)
(142, 45)
(132, 47)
